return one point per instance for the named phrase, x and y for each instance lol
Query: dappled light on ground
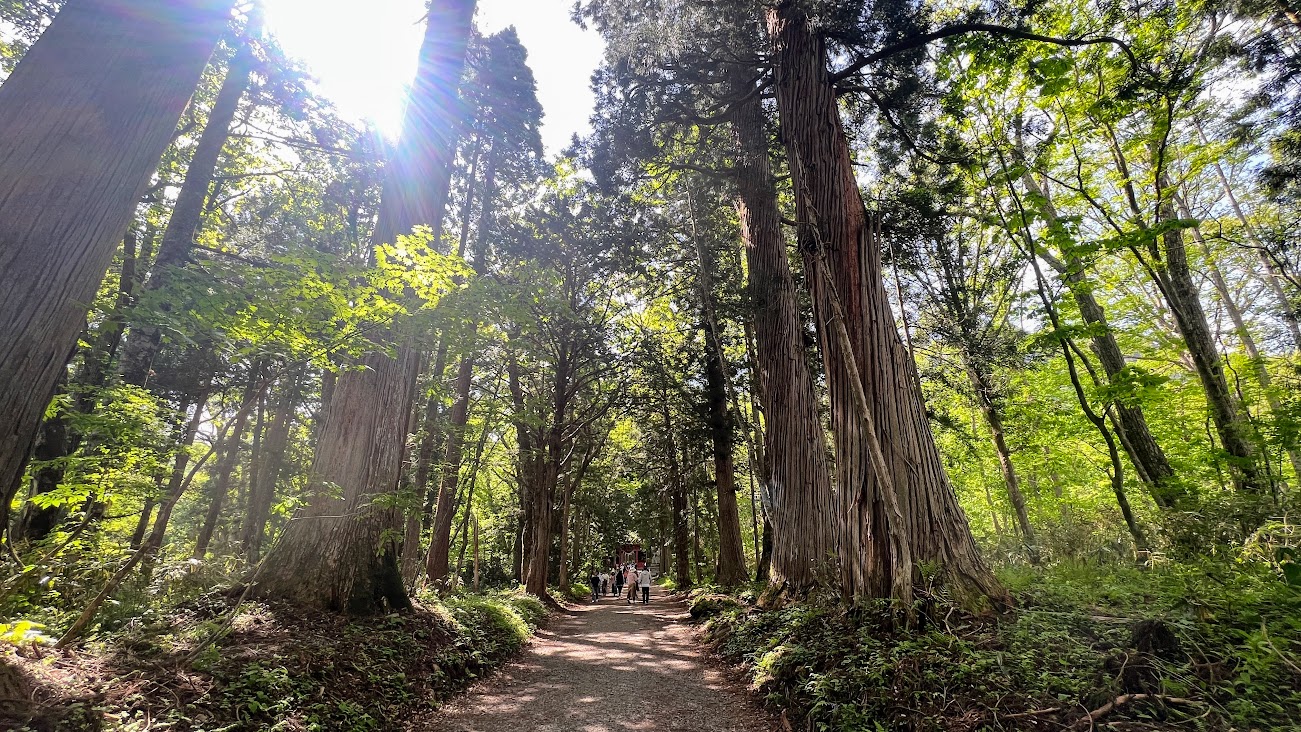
(609, 667)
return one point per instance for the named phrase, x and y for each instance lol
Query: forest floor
(608, 667)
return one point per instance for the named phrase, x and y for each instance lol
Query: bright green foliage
(1082, 635)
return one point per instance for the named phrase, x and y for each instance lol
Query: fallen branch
(1092, 718)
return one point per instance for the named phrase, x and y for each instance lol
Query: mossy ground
(275, 668)
(1210, 646)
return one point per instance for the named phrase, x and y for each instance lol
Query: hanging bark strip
(86, 115)
(834, 229)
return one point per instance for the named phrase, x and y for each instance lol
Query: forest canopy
(881, 306)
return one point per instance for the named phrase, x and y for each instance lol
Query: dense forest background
(890, 306)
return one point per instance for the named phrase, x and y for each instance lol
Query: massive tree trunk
(340, 553)
(145, 339)
(86, 115)
(896, 505)
(797, 484)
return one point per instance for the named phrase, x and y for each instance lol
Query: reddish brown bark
(892, 486)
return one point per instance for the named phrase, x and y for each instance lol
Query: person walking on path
(618, 581)
(644, 580)
(630, 577)
(595, 582)
(605, 583)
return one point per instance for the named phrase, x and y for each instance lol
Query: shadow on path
(607, 667)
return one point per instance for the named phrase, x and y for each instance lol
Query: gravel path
(608, 667)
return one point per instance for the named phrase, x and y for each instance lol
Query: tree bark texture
(348, 547)
(340, 552)
(145, 339)
(86, 115)
(834, 234)
(797, 483)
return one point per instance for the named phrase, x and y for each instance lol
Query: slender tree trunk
(797, 484)
(731, 547)
(835, 236)
(262, 490)
(445, 512)
(1181, 294)
(731, 552)
(145, 339)
(1258, 364)
(220, 482)
(981, 382)
(180, 479)
(86, 115)
(1144, 451)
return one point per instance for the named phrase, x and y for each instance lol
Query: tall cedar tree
(87, 114)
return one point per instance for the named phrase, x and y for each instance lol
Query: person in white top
(605, 583)
(644, 580)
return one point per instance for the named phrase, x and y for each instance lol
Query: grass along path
(608, 667)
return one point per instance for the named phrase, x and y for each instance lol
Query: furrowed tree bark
(144, 341)
(797, 484)
(86, 115)
(834, 230)
(341, 552)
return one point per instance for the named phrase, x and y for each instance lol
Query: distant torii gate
(630, 554)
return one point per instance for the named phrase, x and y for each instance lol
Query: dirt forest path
(608, 667)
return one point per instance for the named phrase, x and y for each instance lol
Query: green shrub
(1224, 635)
(491, 627)
(528, 606)
(707, 606)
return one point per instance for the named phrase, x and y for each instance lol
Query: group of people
(615, 579)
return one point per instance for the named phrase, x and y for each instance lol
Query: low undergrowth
(270, 668)
(1206, 647)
